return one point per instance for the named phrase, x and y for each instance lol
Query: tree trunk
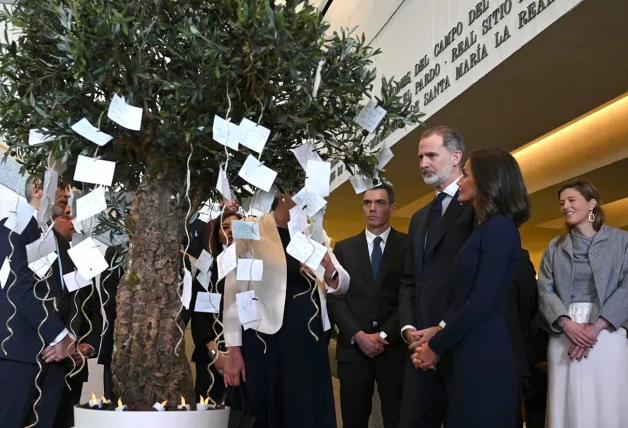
(145, 366)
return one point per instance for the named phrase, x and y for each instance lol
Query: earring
(283, 199)
(591, 217)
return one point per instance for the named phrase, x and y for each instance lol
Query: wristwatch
(334, 275)
(213, 354)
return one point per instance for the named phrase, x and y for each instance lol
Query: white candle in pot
(120, 407)
(160, 407)
(183, 406)
(95, 403)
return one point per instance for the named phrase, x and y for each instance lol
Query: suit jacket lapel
(422, 231)
(454, 209)
(362, 250)
(390, 252)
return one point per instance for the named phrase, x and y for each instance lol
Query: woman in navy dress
(473, 348)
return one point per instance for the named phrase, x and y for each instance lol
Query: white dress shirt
(370, 238)
(450, 191)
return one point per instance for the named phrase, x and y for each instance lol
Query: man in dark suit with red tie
(369, 348)
(437, 233)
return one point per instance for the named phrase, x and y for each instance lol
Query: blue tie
(435, 217)
(376, 256)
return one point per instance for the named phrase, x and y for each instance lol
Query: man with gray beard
(437, 232)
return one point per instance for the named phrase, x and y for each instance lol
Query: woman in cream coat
(583, 291)
(282, 357)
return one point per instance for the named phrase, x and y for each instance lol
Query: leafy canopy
(183, 62)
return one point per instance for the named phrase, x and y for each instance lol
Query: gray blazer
(608, 256)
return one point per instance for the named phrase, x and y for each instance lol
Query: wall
(442, 46)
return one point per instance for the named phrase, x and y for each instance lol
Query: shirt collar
(370, 237)
(451, 189)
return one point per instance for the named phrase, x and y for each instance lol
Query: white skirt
(590, 393)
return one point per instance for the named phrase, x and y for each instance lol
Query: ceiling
(544, 97)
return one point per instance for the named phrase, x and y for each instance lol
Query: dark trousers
(69, 399)
(357, 381)
(107, 378)
(18, 393)
(536, 404)
(203, 382)
(424, 401)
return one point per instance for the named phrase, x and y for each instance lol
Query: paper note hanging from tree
(125, 115)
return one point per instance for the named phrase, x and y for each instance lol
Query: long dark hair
(500, 186)
(214, 238)
(588, 192)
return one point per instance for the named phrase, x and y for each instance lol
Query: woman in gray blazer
(583, 292)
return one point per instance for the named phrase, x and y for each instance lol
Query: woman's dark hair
(215, 247)
(588, 192)
(500, 186)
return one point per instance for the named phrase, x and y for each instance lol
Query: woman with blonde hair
(583, 292)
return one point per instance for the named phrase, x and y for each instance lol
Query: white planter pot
(87, 418)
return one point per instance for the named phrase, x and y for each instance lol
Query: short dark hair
(214, 238)
(588, 192)
(389, 191)
(452, 140)
(500, 186)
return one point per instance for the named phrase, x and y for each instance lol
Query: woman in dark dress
(204, 326)
(473, 346)
(286, 372)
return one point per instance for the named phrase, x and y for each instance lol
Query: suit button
(424, 279)
(595, 270)
(599, 289)
(374, 300)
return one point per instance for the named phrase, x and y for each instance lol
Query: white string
(187, 234)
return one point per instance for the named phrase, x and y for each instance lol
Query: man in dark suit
(369, 348)
(31, 328)
(437, 233)
(521, 307)
(87, 324)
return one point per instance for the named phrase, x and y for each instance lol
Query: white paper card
(317, 178)
(223, 185)
(257, 174)
(125, 115)
(361, 184)
(250, 270)
(91, 204)
(253, 136)
(207, 302)
(4, 272)
(17, 221)
(226, 133)
(204, 262)
(263, 201)
(241, 229)
(370, 116)
(88, 259)
(186, 295)
(74, 280)
(78, 227)
(43, 265)
(384, 157)
(317, 78)
(41, 248)
(93, 134)
(298, 220)
(306, 251)
(35, 137)
(304, 153)
(316, 227)
(203, 279)
(227, 261)
(95, 171)
(312, 203)
(247, 307)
